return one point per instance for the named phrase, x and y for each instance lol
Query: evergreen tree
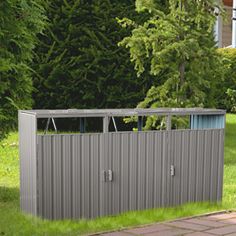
(178, 48)
(79, 64)
(20, 21)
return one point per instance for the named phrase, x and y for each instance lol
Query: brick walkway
(217, 224)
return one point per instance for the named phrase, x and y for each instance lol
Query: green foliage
(79, 64)
(20, 21)
(178, 48)
(226, 89)
(232, 95)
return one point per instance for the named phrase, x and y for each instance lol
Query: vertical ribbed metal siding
(28, 166)
(71, 168)
(207, 121)
(198, 160)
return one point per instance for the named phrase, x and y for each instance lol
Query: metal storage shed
(87, 175)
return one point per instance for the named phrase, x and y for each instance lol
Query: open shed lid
(122, 112)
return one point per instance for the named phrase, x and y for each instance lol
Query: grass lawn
(13, 222)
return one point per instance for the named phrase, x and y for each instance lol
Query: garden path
(208, 225)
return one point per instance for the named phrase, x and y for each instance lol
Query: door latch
(107, 175)
(110, 175)
(172, 170)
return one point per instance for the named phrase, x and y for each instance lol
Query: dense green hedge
(20, 21)
(79, 64)
(225, 95)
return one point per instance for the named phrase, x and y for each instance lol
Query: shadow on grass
(8, 195)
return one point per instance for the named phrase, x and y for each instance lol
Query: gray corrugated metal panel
(141, 170)
(193, 154)
(207, 154)
(177, 161)
(94, 183)
(40, 186)
(192, 173)
(109, 163)
(133, 196)
(103, 167)
(214, 165)
(185, 166)
(121, 112)
(57, 177)
(28, 162)
(166, 184)
(149, 169)
(159, 171)
(208, 121)
(124, 174)
(201, 153)
(115, 166)
(220, 169)
(47, 177)
(200, 163)
(77, 177)
(140, 162)
(86, 175)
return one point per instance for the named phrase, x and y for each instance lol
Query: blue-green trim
(207, 121)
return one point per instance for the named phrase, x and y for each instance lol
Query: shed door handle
(172, 170)
(110, 175)
(107, 175)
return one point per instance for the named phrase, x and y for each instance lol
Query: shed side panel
(28, 163)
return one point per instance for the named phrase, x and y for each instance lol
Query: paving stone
(198, 234)
(221, 224)
(186, 225)
(223, 230)
(229, 221)
(171, 232)
(119, 233)
(221, 216)
(209, 223)
(148, 229)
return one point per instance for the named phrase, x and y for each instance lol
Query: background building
(227, 24)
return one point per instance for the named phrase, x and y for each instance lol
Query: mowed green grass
(13, 222)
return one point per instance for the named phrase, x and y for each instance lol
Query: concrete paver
(217, 224)
(171, 232)
(198, 234)
(223, 230)
(186, 225)
(222, 216)
(148, 229)
(209, 223)
(229, 221)
(119, 233)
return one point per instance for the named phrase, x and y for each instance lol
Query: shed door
(140, 163)
(197, 159)
(70, 183)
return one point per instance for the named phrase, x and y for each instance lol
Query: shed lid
(122, 112)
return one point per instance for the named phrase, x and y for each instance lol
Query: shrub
(226, 89)
(79, 64)
(20, 21)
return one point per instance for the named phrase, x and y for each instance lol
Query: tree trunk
(182, 73)
(181, 96)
